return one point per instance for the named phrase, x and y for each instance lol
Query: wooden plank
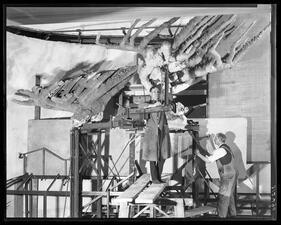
(194, 92)
(151, 193)
(131, 193)
(199, 210)
(179, 208)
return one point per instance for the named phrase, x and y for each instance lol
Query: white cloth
(217, 154)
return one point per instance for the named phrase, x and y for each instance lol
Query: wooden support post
(106, 152)
(93, 181)
(76, 182)
(107, 204)
(257, 189)
(34, 206)
(132, 158)
(26, 201)
(174, 154)
(71, 173)
(58, 201)
(195, 191)
(94, 188)
(18, 203)
(124, 210)
(37, 110)
(179, 208)
(99, 177)
(152, 211)
(45, 206)
(206, 192)
(57, 207)
(30, 199)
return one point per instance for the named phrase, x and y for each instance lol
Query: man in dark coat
(157, 143)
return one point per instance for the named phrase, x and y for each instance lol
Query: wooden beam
(131, 193)
(76, 181)
(194, 92)
(151, 193)
(61, 193)
(99, 179)
(199, 211)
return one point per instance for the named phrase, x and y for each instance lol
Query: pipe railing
(44, 150)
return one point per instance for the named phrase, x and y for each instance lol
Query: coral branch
(185, 32)
(27, 102)
(132, 39)
(113, 81)
(128, 34)
(156, 31)
(215, 28)
(240, 52)
(196, 34)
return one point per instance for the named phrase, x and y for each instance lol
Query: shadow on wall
(79, 69)
(238, 160)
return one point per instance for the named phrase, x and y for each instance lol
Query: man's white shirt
(217, 154)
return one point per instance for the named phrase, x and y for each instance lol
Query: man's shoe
(156, 182)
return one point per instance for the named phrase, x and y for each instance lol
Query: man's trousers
(226, 200)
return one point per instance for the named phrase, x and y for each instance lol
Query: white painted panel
(53, 135)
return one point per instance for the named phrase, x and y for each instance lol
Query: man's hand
(197, 152)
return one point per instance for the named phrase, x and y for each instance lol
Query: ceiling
(49, 15)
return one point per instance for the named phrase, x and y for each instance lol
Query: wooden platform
(151, 193)
(132, 192)
(200, 210)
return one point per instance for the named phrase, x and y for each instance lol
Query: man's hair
(221, 136)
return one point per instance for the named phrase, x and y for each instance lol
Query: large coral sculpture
(185, 57)
(85, 95)
(192, 51)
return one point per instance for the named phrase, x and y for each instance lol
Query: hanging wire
(129, 142)
(136, 136)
